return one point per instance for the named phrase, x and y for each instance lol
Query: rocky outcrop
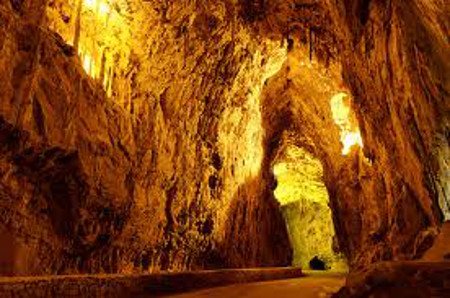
(390, 279)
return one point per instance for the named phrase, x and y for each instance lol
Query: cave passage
(152, 146)
(304, 202)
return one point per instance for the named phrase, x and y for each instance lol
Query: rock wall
(161, 158)
(169, 178)
(386, 201)
(395, 64)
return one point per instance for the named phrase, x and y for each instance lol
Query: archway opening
(304, 202)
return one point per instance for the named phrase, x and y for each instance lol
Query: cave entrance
(304, 202)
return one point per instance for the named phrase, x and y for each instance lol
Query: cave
(213, 147)
(304, 202)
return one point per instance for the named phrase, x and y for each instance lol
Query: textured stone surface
(170, 168)
(305, 206)
(92, 185)
(392, 59)
(396, 67)
(400, 279)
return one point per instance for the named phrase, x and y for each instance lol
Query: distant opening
(304, 200)
(344, 117)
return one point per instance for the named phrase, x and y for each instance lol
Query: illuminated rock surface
(138, 136)
(305, 207)
(165, 174)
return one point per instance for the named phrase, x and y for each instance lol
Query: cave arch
(304, 203)
(391, 191)
(297, 106)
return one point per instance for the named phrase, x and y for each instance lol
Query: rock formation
(140, 136)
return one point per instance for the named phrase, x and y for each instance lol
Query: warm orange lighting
(350, 134)
(98, 13)
(101, 35)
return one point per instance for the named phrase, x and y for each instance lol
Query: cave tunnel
(309, 138)
(224, 148)
(304, 202)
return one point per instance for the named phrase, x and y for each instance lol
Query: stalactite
(311, 42)
(76, 39)
(109, 89)
(102, 67)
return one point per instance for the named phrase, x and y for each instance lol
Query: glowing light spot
(100, 7)
(104, 9)
(90, 3)
(93, 72)
(350, 134)
(351, 139)
(87, 63)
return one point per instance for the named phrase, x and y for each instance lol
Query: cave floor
(314, 284)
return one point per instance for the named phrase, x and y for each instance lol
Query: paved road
(313, 285)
